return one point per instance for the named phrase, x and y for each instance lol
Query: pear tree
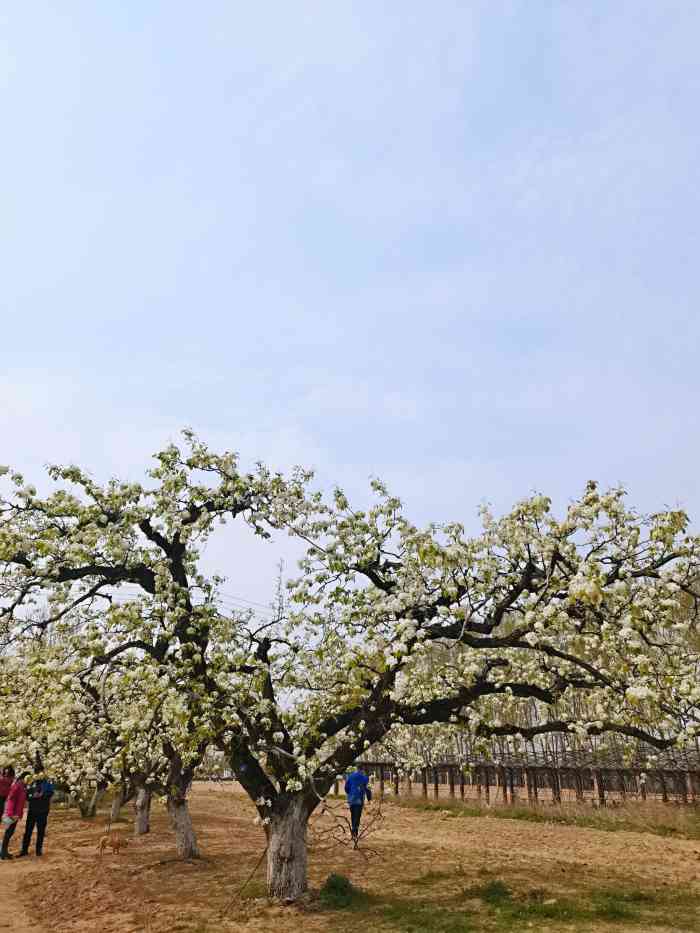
(388, 624)
(396, 626)
(73, 552)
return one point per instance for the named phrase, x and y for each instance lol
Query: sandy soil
(146, 890)
(14, 917)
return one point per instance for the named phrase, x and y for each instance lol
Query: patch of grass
(451, 808)
(509, 910)
(504, 909)
(492, 892)
(411, 917)
(609, 907)
(338, 893)
(439, 902)
(392, 913)
(682, 823)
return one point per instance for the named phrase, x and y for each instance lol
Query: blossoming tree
(65, 558)
(402, 626)
(90, 729)
(392, 624)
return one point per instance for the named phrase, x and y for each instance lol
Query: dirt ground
(414, 867)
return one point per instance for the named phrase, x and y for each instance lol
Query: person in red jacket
(14, 811)
(7, 776)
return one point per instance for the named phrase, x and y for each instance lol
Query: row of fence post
(507, 782)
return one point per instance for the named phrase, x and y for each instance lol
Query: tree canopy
(387, 625)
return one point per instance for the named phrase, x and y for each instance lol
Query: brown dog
(115, 841)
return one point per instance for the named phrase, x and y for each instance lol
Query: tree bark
(142, 812)
(286, 849)
(88, 808)
(181, 821)
(116, 807)
(122, 796)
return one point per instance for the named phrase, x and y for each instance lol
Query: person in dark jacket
(357, 788)
(7, 776)
(39, 796)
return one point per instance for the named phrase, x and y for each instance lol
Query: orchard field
(124, 672)
(423, 870)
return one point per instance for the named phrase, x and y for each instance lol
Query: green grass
(338, 893)
(492, 892)
(407, 916)
(492, 906)
(410, 917)
(510, 909)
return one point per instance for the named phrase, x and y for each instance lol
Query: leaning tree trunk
(142, 812)
(286, 849)
(181, 821)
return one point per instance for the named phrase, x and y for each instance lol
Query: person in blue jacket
(357, 788)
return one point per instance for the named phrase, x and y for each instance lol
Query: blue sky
(454, 245)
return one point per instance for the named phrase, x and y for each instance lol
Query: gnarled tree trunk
(181, 821)
(142, 812)
(178, 784)
(286, 848)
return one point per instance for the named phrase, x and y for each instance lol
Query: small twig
(339, 832)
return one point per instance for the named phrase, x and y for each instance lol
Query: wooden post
(381, 782)
(634, 785)
(461, 783)
(396, 783)
(487, 787)
(511, 781)
(424, 780)
(436, 788)
(623, 784)
(478, 772)
(451, 779)
(535, 785)
(556, 786)
(599, 782)
(503, 781)
(664, 789)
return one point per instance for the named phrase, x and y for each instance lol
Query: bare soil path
(422, 859)
(14, 917)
